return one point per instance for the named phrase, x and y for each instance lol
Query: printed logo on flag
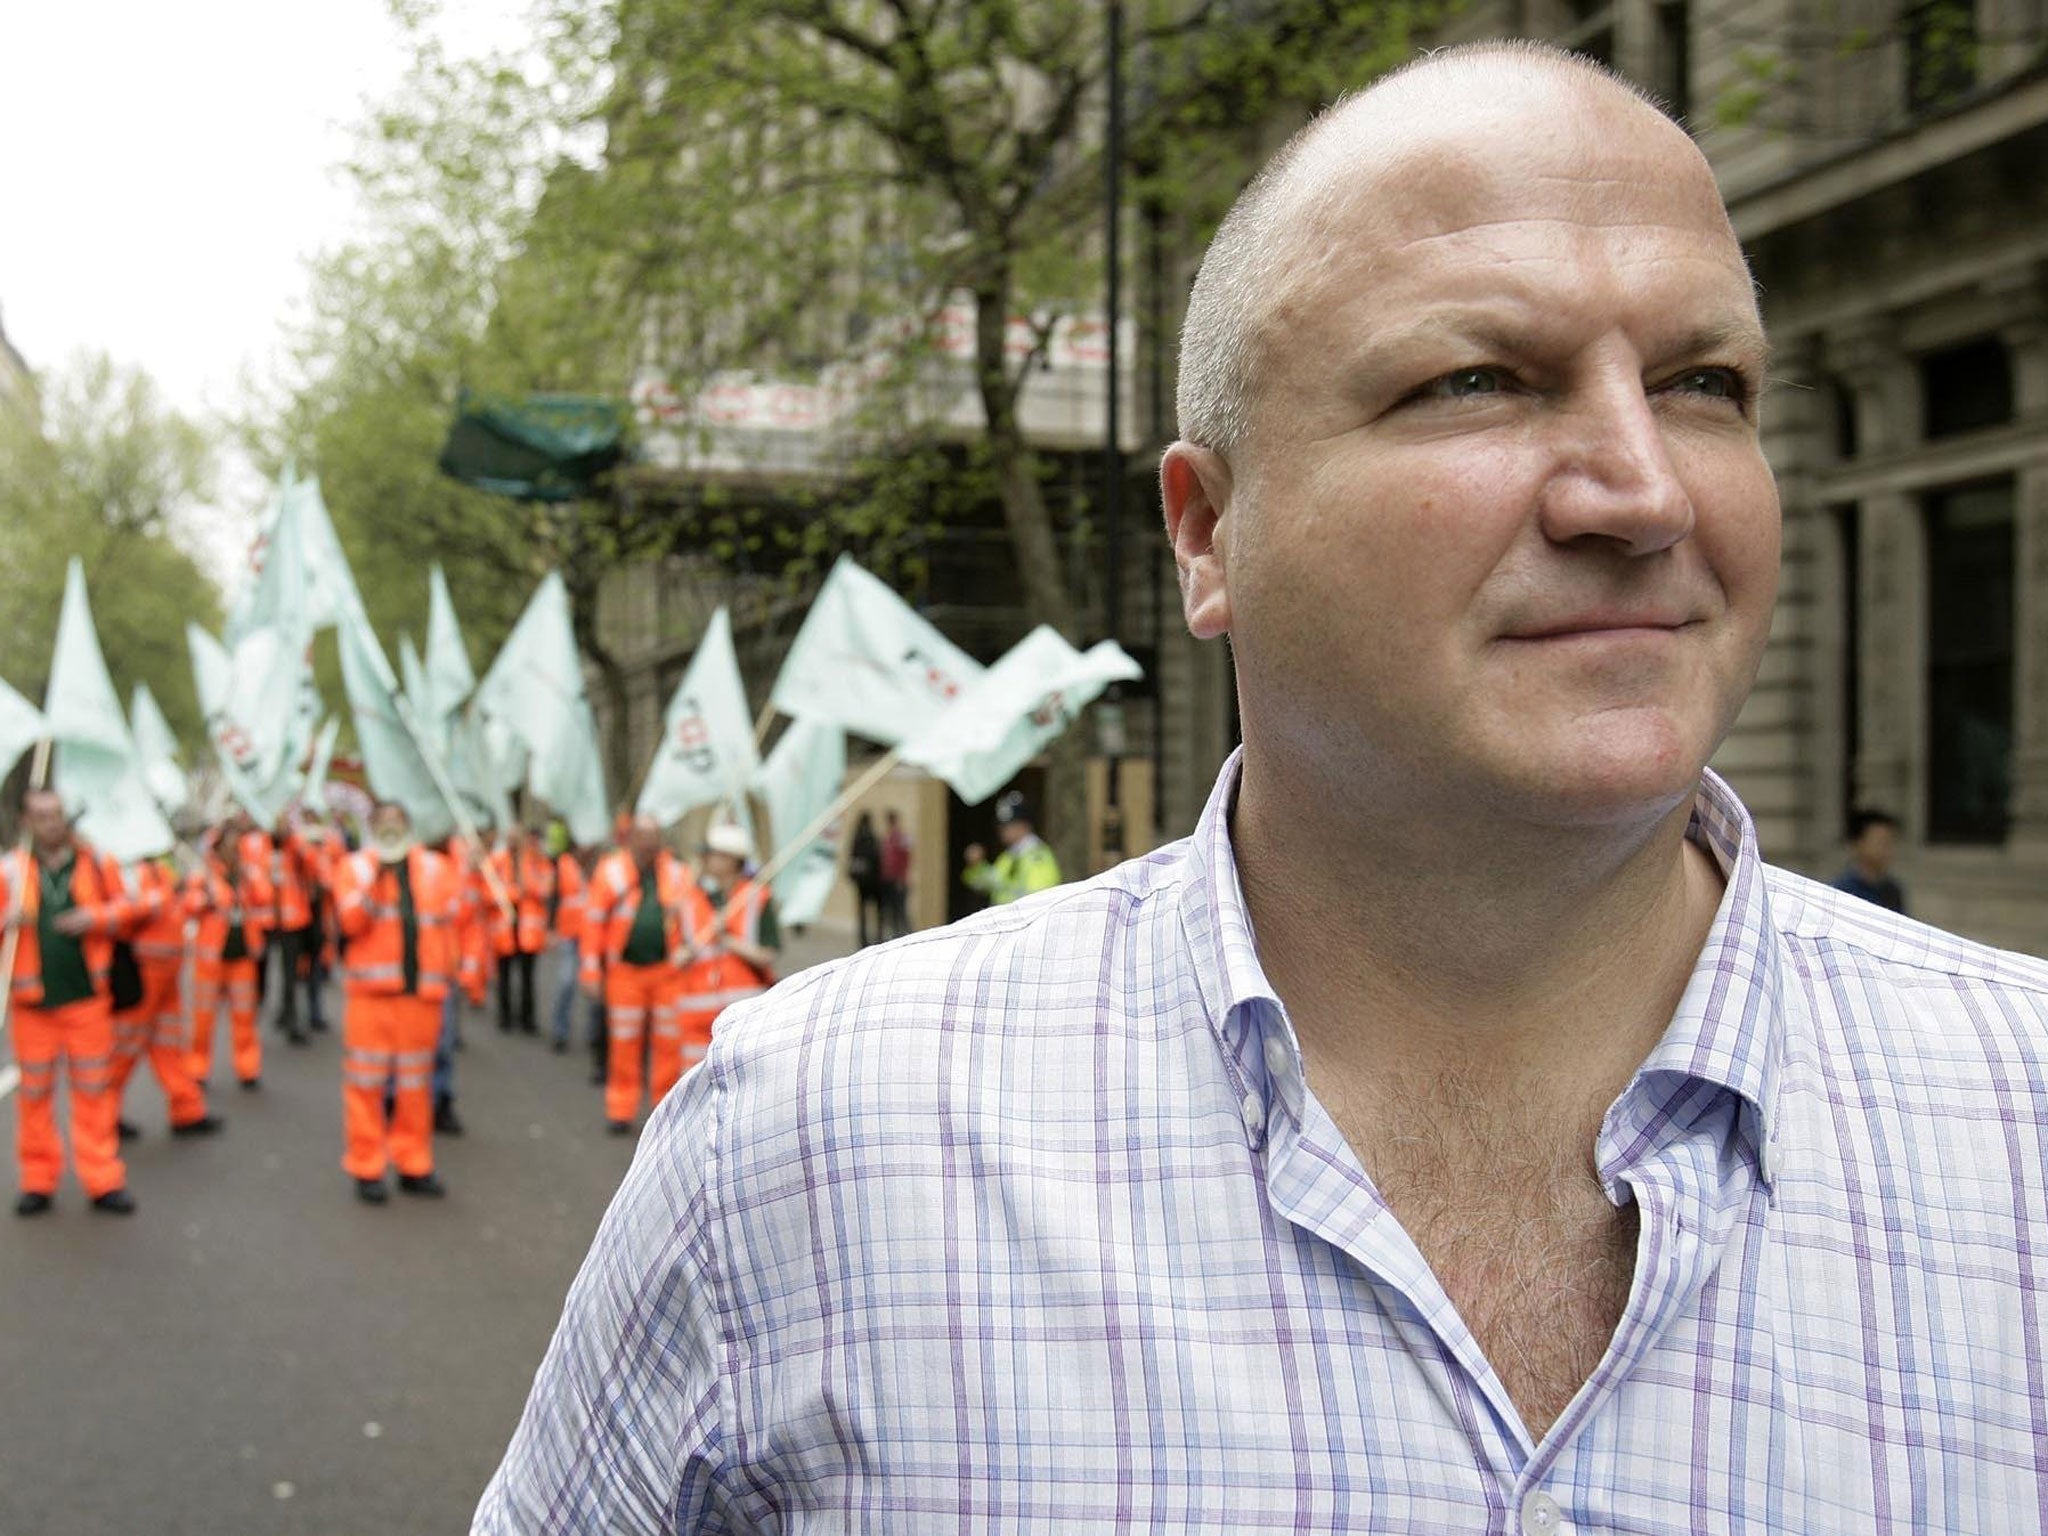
(937, 678)
(693, 737)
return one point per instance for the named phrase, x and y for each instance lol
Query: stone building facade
(1883, 166)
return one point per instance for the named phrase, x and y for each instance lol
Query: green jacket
(1018, 871)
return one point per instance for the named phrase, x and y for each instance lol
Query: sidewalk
(818, 943)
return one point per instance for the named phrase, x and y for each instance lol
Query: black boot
(445, 1121)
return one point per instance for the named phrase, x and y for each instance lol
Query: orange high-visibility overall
(718, 978)
(640, 999)
(226, 896)
(78, 1033)
(155, 1026)
(393, 1017)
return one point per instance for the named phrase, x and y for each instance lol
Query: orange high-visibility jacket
(283, 869)
(96, 889)
(566, 920)
(613, 901)
(473, 930)
(366, 907)
(214, 901)
(156, 914)
(529, 883)
(713, 982)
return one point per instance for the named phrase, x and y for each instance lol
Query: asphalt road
(254, 1351)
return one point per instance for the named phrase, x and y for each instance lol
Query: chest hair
(1508, 1212)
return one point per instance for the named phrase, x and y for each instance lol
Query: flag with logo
(534, 690)
(95, 766)
(157, 750)
(21, 727)
(315, 564)
(707, 753)
(864, 660)
(802, 777)
(393, 759)
(213, 678)
(1009, 715)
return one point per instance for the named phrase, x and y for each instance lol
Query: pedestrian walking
(66, 901)
(157, 1027)
(565, 929)
(1024, 866)
(864, 869)
(528, 880)
(232, 900)
(895, 861)
(288, 927)
(398, 906)
(639, 898)
(731, 956)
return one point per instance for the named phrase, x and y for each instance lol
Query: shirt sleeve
(623, 1431)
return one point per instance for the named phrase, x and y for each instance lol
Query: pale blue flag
(393, 759)
(213, 678)
(96, 770)
(800, 779)
(1009, 715)
(157, 750)
(448, 669)
(21, 727)
(534, 689)
(314, 795)
(707, 753)
(318, 566)
(866, 661)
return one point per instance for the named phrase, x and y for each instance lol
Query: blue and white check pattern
(1030, 1224)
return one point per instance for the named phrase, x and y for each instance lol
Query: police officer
(1025, 865)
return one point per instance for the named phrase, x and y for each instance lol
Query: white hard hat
(729, 839)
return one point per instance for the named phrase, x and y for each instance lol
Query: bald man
(1464, 1130)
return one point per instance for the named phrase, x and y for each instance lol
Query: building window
(1941, 51)
(1964, 388)
(1673, 62)
(1848, 522)
(1969, 661)
(1589, 30)
(1842, 406)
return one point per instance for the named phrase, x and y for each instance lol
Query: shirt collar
(1727, 1030)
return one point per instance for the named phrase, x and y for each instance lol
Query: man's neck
(1872, 874)
(54, 855)
(1414, 948)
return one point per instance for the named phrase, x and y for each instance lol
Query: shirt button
(1254, 1109)
(1277, 1059)
(1541, 1516)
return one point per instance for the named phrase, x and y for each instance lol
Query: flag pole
(38, 775)
(463, 824)
(791, 847)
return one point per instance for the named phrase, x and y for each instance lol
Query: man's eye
(1714, 384)
(1465, 384)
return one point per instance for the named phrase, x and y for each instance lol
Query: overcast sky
(167, 167)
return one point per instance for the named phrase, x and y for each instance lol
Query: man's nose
(1614, 479)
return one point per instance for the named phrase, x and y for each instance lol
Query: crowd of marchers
(114, 965)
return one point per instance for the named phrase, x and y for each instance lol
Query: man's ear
(1194, 484)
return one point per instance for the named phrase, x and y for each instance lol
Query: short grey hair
(1231, 303)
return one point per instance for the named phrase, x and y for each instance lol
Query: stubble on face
(1503, 528)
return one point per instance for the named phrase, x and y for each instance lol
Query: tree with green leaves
(109, 474)
(768, 188)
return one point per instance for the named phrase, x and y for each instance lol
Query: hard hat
(729, 839)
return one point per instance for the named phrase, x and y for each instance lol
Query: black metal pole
(1112, 446)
